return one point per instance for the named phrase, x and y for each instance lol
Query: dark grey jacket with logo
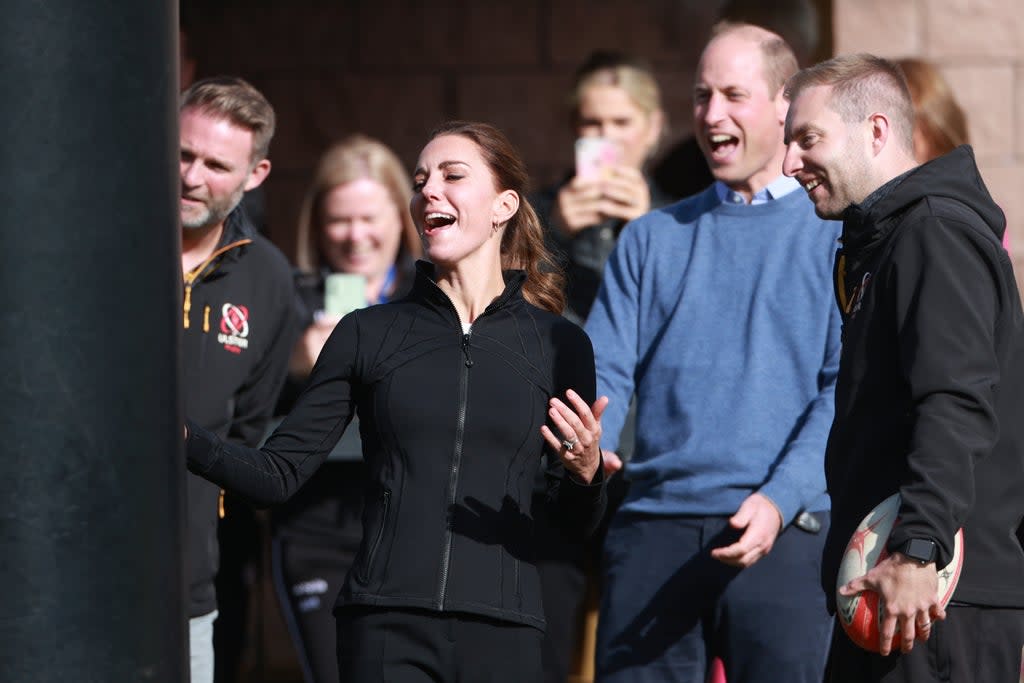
(240, 324)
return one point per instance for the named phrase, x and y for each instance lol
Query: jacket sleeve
(613, 326)
(255, 400)
(272, 473)
(799, 476)
(580, 506)
(947, 292)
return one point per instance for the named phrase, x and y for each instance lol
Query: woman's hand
(578, 441)
(624, 194)
(621, 192)
(310, 344)
(578, 206)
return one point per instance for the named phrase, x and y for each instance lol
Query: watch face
(920, 549)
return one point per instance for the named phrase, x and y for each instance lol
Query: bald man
(716, 312)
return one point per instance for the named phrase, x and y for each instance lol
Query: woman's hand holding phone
(578, 206)
(624, 194)
(602, 188)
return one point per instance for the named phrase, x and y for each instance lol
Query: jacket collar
(426, 286)
(953, 176)
(863, 223)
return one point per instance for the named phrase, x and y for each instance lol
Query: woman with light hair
(939, 122)
(615, 99)
(356, 245)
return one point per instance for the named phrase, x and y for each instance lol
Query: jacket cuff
(787, 504)
(584, 502)
(201, 448)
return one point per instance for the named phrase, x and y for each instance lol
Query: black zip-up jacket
(450, 426)
(931, 380)
(240, 324)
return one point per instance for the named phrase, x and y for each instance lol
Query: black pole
(91, 473)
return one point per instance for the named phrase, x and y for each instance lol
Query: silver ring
(570, 444)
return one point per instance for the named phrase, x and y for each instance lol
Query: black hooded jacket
(450, 427)
(931, 380)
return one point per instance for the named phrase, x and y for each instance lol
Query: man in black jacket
(931, 378)
(239, 324)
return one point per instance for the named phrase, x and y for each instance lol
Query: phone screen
(344, 293)
(594, 154)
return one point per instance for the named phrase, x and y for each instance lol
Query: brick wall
(395, 68)
(979, 45)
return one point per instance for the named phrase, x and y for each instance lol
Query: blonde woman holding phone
(616, 115)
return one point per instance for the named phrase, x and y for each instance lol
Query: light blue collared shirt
(776, 189)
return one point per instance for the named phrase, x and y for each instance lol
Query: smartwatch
(921, 549)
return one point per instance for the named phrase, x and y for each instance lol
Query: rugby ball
(858, 614)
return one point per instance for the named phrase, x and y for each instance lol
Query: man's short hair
(234, 99)
(862, 84)
(778, 58)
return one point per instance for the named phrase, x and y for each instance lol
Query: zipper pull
(187, 307)
(465, 350)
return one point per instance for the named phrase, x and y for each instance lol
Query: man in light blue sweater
(717, 312)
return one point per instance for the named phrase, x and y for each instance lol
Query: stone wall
(979, 45)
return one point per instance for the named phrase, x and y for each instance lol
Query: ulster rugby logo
(234, 328)
(858, 294)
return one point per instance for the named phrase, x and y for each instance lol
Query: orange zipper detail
(193, 275)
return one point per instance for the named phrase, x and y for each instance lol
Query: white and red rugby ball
(858, 614)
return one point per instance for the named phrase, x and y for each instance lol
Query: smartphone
(344, 293)
(594, 155)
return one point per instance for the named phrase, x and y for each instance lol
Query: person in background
(239, 310)
(940, 125)
(931, 379)
(682, 170)
(459, 388)
(239, 530)
(614, 97)
(353, 220)
(716, 313)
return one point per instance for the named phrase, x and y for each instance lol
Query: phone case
(595, 154)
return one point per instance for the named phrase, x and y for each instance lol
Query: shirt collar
(777, 189)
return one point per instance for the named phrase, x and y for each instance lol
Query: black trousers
(315, 541)
(412, 646)
(972, 645)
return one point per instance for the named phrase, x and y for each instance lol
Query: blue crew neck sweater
(721, 318)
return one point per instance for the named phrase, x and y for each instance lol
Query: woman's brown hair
(937, 115)
(522, 245)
